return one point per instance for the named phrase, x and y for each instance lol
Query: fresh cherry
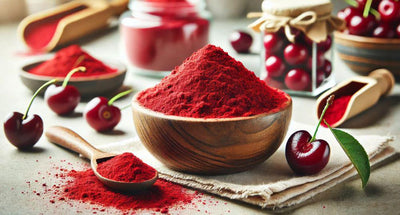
(347, 13)
(389, 10)
(297, 79)
(323, 45)
(273, 42)
(361, 26)
(22, 130)
(63, 99)
(320, 60)
(295, 53)
(241, 41)
(398, 30)
(274, 66)
(384, 31)
(101, 114)
(305, 154)
(320, 77)
(327, 68)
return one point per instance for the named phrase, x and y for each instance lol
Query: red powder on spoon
(39, 33)
(336, 111)
(127, 168)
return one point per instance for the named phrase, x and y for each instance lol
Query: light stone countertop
(381, 196)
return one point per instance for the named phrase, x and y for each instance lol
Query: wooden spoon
(79, 18)
(69, 139)
(365, 91)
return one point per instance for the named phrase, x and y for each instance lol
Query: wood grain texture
(365, 54)
(87, 86)
(211, 146)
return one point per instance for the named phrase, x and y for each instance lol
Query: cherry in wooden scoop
(69, 139)
(365, 91)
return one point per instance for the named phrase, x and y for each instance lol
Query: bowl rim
(121, 70)
(139, 107)
(363, 39)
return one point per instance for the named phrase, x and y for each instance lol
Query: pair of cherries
(23, 130)
(381, 19)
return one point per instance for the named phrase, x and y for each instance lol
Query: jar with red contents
(297, 54)
(158, 35)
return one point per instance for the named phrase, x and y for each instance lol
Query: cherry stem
(78, 69)
(352, 3)
(367, 8)
(329, 101)
(119, 95)
(35, 94)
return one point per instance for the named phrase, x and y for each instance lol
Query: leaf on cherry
(355, 152)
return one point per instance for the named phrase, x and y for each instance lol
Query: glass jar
(159, 35)
(297, 39)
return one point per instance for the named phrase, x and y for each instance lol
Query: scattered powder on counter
(211, 84)
(65, 186)
(126, 167)
(336, 110)
(69, 58)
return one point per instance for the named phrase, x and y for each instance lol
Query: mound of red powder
(211, 84)
(69, 58)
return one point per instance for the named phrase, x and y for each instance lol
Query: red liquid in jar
(163, 39)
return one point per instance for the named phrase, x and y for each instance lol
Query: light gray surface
(381, 196)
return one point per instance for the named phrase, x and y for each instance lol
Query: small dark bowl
(87, 86)
(365, 54)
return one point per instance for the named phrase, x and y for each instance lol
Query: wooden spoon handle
(385, 80)
(69, 139)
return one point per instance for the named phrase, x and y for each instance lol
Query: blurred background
(15, 10)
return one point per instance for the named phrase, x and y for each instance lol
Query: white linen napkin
(271, 184)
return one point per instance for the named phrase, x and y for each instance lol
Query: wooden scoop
(71, 140)
(77, 19)
(365, 91)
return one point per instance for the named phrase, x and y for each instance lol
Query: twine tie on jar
(272, 23)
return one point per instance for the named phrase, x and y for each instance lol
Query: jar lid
(313, 17)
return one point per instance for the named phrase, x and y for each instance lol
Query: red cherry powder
(336, 111)
(126, 167)
(39, 33)
(211, 84)
(69, 58)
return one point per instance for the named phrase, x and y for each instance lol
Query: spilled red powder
(85, 186)
(38, 34)
(211, 84)
(336, 110)
(126, 167)
(68, 58)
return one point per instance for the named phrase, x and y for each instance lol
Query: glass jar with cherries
(296, 55)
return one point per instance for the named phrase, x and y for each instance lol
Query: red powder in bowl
(211, 84)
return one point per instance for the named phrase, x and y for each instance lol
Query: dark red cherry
(347, 13)
(62, 100)
(275, 66)
(362, 26)
(298, 79)
(241, 41)
(273, 42)
(389, 10)
(384, 31)
(23, 133)
(320, 77)
(327, 68)
(320, 60)
(305, 157)
(295, 53)
(398, 30)
(100, 115)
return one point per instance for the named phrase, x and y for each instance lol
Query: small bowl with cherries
(372, 37)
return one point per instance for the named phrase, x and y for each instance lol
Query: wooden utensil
(80, 17)
(211, 146)
(365, 91)
(69, 139)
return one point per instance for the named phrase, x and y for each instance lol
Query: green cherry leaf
(355, 152)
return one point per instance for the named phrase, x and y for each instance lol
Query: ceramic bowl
(211, 146)
(365, 54)
(87, 86)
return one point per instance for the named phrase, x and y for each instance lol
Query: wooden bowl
(211, 146)
(365, 54)
(87, 86)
